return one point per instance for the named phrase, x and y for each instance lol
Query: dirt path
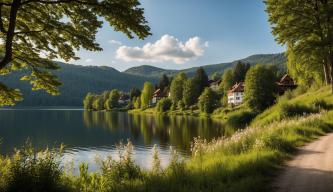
(311, 170)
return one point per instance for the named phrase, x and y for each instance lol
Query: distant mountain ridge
(79, 80)
(278, 59)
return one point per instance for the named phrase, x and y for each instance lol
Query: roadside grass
(246, 161)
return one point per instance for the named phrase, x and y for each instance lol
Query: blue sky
(188, 33)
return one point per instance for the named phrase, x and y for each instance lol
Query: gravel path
(311, 170)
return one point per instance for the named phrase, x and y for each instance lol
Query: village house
(214, 85)
(236, 94)
(158, 95)
(124, 99)
(285, 83)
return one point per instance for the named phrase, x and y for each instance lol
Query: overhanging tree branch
(10, 34)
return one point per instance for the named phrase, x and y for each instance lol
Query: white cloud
(168, 48)
(115, 42)
(88, 60)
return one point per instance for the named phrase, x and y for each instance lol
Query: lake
(89, 134)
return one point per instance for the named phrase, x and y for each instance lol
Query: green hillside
(149, 71)
(77, 82)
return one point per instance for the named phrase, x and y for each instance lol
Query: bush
(240, 119)
(321, 104)
(208, 101)
(181, 105)
(291, 110)
(28, 170)
(164, 105)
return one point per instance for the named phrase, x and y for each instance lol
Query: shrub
(240, 119)
(208, 101)
(29, 170)
(291, 110)
(164, 105)
(181, 105)
(321, 104)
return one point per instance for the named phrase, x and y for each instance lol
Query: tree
(34, 32)
(112, 101)
(176, 87)
(137, 102)
(216, 76)
(98, 103)
(239, 71)
(208, 101)
(146, 95)
(305, 69)
(88, 101)
(164, 82)
(202, 79)
(164, 105)
(190, 92)
(306, 27)
(260, 87)
(227, 80)
(135, 92)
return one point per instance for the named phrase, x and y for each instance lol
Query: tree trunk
(330, 64)
(10, 34)
(327, 72)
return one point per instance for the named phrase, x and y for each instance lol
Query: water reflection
(86, 134)
(177, 131)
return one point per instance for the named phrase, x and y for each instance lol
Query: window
(237, 98)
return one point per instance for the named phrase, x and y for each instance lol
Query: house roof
(238, 87)
(286, 80)
(158, 93)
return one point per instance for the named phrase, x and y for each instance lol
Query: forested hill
(150, 71)
(79, 80)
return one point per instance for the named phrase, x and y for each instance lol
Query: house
(158, 95)
(124, 99)
(214, 85)
(285, 83)
(236, 94)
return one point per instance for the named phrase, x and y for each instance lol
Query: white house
(236, 94)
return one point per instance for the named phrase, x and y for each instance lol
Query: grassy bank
(247, 161)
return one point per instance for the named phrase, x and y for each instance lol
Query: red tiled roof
(159, 93)
(286, 80)
(238, 87)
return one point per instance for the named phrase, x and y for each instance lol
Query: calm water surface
(90, 134)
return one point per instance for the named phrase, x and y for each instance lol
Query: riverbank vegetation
(246, 161)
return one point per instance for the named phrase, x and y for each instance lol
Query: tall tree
(208, 101)
(88, 101)
(260, 87)
(240, 71)
(164, 82)
(176, 88)
(202, 79)
(98, 103)
(146, 95)
(34, 32)
(135, 92)
(228, 80)
(190, 92)
(112, 101)
(306, 27)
